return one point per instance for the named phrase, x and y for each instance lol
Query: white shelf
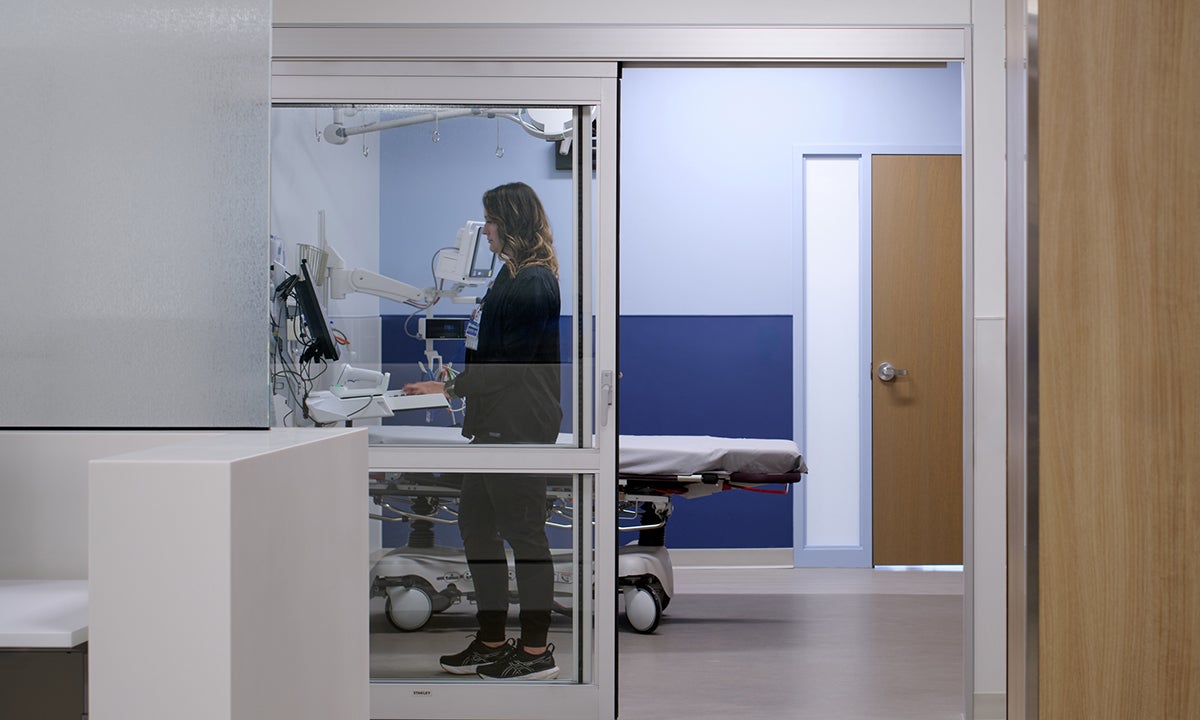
(43, 613)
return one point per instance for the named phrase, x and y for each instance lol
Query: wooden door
(916, 326)
(1118, 373)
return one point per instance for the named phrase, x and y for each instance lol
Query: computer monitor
(322, 344)
(471, 261)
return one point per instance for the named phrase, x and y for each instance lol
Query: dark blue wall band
(729, 376)
(721, 375)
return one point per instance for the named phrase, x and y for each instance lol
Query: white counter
(43, 613)
(227, 578)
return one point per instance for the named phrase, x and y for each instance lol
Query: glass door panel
(387, 206)
(385, 186)
(430, 596)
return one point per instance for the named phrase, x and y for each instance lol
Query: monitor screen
(321, 343)
(483, 260)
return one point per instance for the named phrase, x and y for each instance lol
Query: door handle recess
(886, 373)
(607, 393)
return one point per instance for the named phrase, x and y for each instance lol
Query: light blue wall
(706, 175)
(428, 190)
(706, 171)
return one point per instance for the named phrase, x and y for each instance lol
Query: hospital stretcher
(422, 578)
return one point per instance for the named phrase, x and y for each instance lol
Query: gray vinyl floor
(808, 644)
(799, 643)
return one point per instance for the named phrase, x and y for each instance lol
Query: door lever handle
(607, 394)
(886, 373)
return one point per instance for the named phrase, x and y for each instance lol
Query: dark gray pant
(495, 509)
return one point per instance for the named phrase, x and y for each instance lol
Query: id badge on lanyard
(473, 328)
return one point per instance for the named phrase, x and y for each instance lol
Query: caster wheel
(643, 609)
(663, 598)
(407, 608)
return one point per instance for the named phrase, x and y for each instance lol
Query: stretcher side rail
(701, 484)
(436, 497)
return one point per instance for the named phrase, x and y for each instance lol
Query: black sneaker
(520, 665)
(476, 656)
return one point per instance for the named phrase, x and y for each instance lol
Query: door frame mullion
(525, 84)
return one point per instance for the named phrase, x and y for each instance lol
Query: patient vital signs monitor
(470, 262)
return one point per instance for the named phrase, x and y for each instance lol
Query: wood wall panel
(1119, 359)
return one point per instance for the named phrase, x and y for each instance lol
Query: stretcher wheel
(407, 608)
(643, 608)
(663, 597)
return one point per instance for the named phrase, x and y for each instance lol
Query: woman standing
(511, 389)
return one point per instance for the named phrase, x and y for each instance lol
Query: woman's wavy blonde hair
(522, 224)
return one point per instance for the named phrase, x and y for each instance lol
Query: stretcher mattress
(647, 454)
(698, 454)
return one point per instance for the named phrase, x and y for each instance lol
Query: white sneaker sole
(462, 669)
(548, 674)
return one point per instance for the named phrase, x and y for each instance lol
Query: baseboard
(991, 706)
(730, 557)
(854, 556)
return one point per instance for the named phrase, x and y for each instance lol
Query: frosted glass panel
(134, 198)
(833, 368)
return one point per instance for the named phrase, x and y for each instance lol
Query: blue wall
(728, 376)
(428, 190)
(708, 236)
(707, 217)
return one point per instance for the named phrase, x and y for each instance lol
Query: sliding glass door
(379, 177)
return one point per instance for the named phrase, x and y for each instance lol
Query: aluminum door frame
(518, 83)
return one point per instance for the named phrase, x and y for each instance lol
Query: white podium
(227, 579)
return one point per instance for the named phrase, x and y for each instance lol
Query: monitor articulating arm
(343, 282)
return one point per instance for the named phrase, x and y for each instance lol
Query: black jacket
(511, 382)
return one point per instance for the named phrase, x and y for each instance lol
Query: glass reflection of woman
(511, 388)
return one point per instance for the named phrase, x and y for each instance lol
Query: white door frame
(805, 552)
(297, 47)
